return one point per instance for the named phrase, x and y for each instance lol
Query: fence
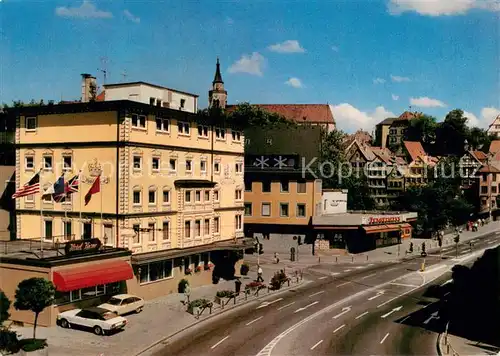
(34, 244)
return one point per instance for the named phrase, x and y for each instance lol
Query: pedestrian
(276, 258)
(237, 285)
(187, 294)
(259, 274)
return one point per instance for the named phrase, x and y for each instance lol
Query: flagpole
(80, 191)
(41, 213)
(102, 220)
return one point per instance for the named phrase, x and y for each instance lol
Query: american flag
(30, 188)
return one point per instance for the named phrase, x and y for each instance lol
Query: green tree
(4, 308)
(34, 294)
(247, 115)
(422, 129)
(451, 134)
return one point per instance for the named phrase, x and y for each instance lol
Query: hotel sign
(374, 220)
(82, 246)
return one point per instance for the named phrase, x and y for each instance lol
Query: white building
(494, 128)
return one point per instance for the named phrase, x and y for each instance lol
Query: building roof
(101, 96)
(409, 115)
(384, 154)
(414, 149)
(365, 149)
(495, 146)
(118, 85)
(362, 136)
(218, 76)
(489, 169)
(493, 123)
(387, 121)
(301, 113)
(479, 155)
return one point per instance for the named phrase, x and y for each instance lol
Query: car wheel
(98, 330)
(138, 310)
(65, 324)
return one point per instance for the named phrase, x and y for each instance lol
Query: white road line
(435, 269)
(370, 275)
(343, 284)
(266, 304)
(220, 342)
(385, 337)
(361, 315)
(446, 293)
(312, 295)
(371, 264)
(404, 285)
(317, 344)
(253, 321)
(448, 281)
(380, 293)
(390, 269)
(360, 267)
(340, 327)
(347, 270)
(403, 320)
(286, 306)
(335, 273)
(325, 277)
(490, 242)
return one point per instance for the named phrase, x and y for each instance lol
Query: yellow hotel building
(171, 188)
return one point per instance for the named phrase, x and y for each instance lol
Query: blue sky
(368, 59)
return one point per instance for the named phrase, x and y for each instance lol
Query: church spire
(218, 76)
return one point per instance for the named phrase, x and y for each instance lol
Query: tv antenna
(124, 76)
(104, 68)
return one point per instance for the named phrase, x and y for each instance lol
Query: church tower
(217, 97)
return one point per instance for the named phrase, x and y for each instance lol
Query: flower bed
(197, 306)
(254, 285)
(223, 294)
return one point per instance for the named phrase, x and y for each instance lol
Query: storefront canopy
(385, 228)
(91, 275)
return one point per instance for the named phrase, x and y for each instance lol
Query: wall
(334, 202)
(489, 187)
(7, 206)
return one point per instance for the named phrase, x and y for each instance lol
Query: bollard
(336, 259)
(319, 259)
(352, 259)
(367, 257)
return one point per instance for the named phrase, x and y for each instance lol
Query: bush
(244, 269)
(182, 285)
(8, 341)
(29, 345)
(224, 294)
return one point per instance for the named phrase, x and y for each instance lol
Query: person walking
(187, 294)
(276, 258)
(259, 274)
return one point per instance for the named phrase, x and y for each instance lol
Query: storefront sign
(384, 220)
(82, 246)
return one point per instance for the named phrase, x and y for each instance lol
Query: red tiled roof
(489, 169)
(101, 96)
(312, 113)
(384, 154)
(495, 146)
(409, 115)
(414, 149)
(479, 155)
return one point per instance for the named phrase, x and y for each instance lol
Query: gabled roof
(387, 121)
(495, 146)
(407, 115)
(479, 155)
(414, 149)
(300, 113)
(494, 122)
(365, 150)
(489, 169)
(384, 154)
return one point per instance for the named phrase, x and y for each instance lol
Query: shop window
(206, 226)
(266, 187)
(196, 260)
(75, 295)
(205, 257)
(166, 230)
(156, 271)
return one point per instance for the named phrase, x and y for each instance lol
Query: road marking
(404, 285)
(447, 293)
(391, 269)
(347, 270)
(385, 337)
(392, 311)
(371, 264)
(335, 273)
(265, 304)
(340, 327)
(343, 284)
(434, 315)
(344, 310)
(220, 342)
(286, 306)
(323, 277)
(435, 269)
(361, 315)
(370, 275)
(253, 321)
(377, 295)
(307, 306)
(317, 344)
(312, 295)
(490, 242)
(448, 281)
(406, 317)
(360, 267)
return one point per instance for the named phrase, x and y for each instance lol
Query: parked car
(124, 304)
(101, 321)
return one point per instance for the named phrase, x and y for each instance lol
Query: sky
(368, 59)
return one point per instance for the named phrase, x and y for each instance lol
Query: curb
(438, 344)
(210, 316)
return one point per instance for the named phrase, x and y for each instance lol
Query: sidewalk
(454, 345)
(161, 318)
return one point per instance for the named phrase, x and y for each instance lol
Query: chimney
(89, 88)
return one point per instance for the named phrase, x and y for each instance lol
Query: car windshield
(114, 301)
(109, 315)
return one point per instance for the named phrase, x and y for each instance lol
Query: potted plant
(244, 269)
(182, 285)
(198, 269)
(196, 306)
(188, 271)
(222, 294)
(254, 285)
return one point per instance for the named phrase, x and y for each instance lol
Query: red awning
(91, 275)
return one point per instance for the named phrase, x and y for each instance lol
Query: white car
(101, 321)
(123, 304)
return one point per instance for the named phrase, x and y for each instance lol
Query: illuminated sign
(82, 246)
(384, 220)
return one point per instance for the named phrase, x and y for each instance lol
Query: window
(67, 163)
(301, 210)
(220, 134)
(172, 164)
(187, 196)
(197, 228)
(183, 102)
(197, 195)
(152, 232)
(31, 123)
(248, 209)
(207, 195)
(183, 128)
(166, 196)
(158, 102)
(29, 163)
(137, 236)
(155, 164)
(48, 230)
(137, 163)
(137, 197)
(139, 121)
(216, 224)
(494, 177)
(202, 131)
(266, 187)
(189, 165)
(67, 228)
(238, 220)
(236, 135)
(86, 293)
(162, 125)
(166, 230)
(47, 163)
(484, 190)
(203, 166)
(494, 189)
(217, 167)
(216, 195)
(284, 185)
(152, 196)
(283, 209)
(152, 101)
(238, 195)
(108, 232)
(239, 167)
(156, 271)
(187, 229)
(206, 226)
(266, 209)
(301, 187)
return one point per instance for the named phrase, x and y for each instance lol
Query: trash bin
(292, 254)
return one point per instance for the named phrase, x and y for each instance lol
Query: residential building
(397, 131)
(494, 128)
(419, 163)
(7, 176)
(470, 163)
(489, 187)
(382, 132)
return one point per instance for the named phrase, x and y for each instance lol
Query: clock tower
(217, 97)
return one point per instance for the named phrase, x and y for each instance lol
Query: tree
(422, 129)
(4, 307)
(34, 294)
(451, 134)
(247, 115)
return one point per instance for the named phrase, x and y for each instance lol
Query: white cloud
(250, 64)
(229, 21)
(398, 79)
(378, 81)
(289, 46)
(350, 119)
(395, 97)
(487, 116)
(294, 82)
(335, 48)
(426, 102)
(87, 10)
(441, 7)
(131, 17)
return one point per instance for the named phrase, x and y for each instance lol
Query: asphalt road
(338, 313)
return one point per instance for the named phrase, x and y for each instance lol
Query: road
(338, 313)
